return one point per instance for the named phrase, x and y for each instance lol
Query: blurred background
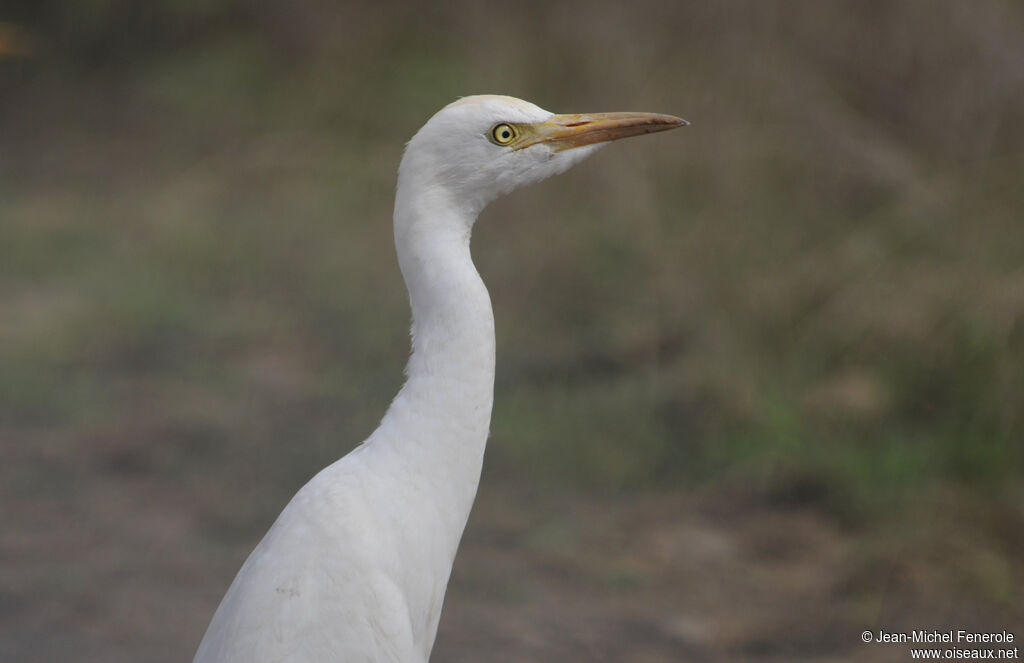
(760, 381)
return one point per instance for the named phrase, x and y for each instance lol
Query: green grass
(805, 287)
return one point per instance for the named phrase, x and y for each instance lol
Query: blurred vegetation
(816, 290)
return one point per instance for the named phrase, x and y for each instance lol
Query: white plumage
(355, 568)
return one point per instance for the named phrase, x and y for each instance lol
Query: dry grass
(812, 298)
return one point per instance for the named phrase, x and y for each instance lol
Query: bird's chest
(410, 535)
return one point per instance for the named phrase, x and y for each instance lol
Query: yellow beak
(563, 132)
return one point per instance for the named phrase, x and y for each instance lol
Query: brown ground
(120, 563)
(199, 298)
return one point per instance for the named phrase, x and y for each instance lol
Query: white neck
(440, 419)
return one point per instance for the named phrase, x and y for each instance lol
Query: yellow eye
(503, 134)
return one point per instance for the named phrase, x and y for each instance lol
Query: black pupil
(505, 134)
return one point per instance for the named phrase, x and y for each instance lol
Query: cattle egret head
(481, 147)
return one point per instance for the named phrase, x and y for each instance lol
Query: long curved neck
(442, 414)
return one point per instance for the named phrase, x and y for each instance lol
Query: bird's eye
(503, 134)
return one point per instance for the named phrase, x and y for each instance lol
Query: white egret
(356, 566)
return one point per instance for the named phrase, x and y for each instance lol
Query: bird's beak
(562, 132)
